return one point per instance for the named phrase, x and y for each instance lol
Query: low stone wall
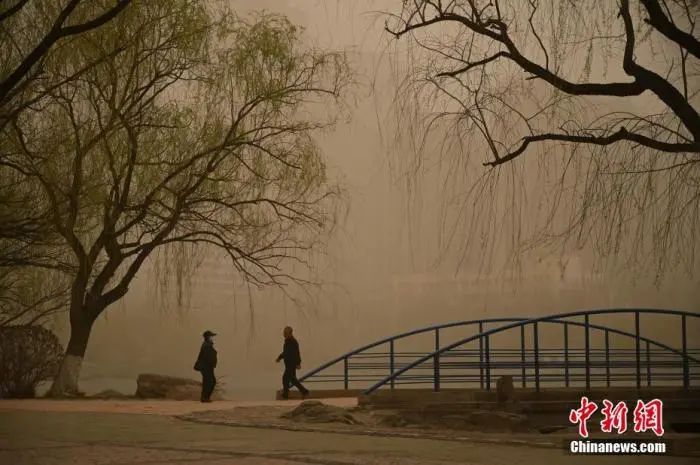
(321, 393)
(478, 427)
(543, 408)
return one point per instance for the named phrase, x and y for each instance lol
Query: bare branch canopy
(598, 100)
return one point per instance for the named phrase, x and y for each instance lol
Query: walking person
(292, 362)
(205, 364)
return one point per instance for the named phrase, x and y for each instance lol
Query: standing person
(205, 364)
(292, 362)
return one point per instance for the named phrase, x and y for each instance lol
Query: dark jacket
(206, 360)
(290, 353)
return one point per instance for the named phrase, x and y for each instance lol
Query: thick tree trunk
(66, 381)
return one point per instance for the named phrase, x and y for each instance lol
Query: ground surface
(82, 432)
(154, 407)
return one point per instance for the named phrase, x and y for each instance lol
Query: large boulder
(314, 411)
(152, 386)
(189, 392)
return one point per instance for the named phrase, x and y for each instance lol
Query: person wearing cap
(205, 364)
(292, 361)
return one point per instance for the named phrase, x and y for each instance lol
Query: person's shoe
(285, 396)
(305, 394)
(206, 401)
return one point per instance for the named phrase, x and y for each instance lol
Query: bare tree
(198, 133)
(601, 97)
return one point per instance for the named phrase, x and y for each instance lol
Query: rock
(505, 389)
(152, 386)
(110, 394)
(190, 392)
(496, 421)
(392, 420)
(185, 392)
(314, 411)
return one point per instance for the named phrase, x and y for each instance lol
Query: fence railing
(476, 360)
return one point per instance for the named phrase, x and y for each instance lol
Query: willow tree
(592, 103)
(33, 33)
(30, 31)
(198, 133)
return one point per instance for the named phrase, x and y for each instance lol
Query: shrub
(28, 356)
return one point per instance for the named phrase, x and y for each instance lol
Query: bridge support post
(522, 356)
(536, 342)
(684, 339)
(648, 364)
(488, 363)
(566, 354)
(391, 362)
(346, 380)
(637, 349)
(587, 333)
(436, 363)
(607, 358)
(481, 357)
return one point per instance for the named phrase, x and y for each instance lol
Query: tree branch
(616, 89)
(659, 20)
(12, 10)
(474, 64)
(56, 33)
(621, 135)
(663, 89)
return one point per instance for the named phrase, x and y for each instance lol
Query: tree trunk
(66, 381)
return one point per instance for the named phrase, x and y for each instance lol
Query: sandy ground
(98, 432)
(88, 438)
(151, 407)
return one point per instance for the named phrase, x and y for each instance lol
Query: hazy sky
(380, 270)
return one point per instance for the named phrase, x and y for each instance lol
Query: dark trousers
(208, 383)
(290, 378)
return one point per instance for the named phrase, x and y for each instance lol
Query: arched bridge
(588, 348)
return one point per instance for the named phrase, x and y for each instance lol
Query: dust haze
(380, 273)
